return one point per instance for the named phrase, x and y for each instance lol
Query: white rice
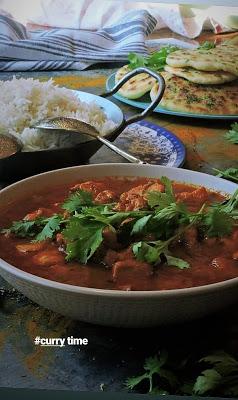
(23, 102)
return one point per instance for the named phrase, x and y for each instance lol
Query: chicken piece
(46, 212)
(113, 256)
(131, 273)
(90, 186)
(48, 257)
(60, 240)
(110, 238)
(220, 263)
(136, 198)
(156, 187)
(59, 270)
(30, 247)
(106, 196)
(235, 255)
(191, 237)
(195, 199)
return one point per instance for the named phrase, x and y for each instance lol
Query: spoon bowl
(72, 127)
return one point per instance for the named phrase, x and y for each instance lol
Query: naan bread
(221, 58)
(201, 77)
(184, 96)
(137, 86)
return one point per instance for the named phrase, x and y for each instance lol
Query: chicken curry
(124, 234)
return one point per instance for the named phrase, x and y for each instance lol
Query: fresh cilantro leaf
(134, 381)
(168, 188)
(161, 199)
(223, 362)
(154, 365)
(218, 223)
(22, 228)
(136, 60)
(219, 218)
(230, 206)
(220, 379)
(83, 238)
(207, 381)
(177, 262)
(155, 61)
(207, 45)
(145, 252)
(95, 214)
(119, 217)
(229, 173)
(232, 134)
(76, 200)
(140, 225)
(52, 225)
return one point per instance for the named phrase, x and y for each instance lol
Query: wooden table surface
(112, 354)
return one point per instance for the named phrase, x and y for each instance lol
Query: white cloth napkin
(74, 49)
(69, 48)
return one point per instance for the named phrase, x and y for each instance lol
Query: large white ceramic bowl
(114, 307)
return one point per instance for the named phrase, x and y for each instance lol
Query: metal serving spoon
(75, 126)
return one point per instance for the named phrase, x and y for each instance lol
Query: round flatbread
(202, 77)
(184, 96)
(137, 86)
(221, 58)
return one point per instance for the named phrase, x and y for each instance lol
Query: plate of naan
(200, 83)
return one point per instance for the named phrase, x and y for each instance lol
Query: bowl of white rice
(24, 102)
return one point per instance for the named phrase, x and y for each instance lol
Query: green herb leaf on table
(232, 134)
(154, 366)
(207, 381)
(213, 375)
(229, 173)
(223, 362)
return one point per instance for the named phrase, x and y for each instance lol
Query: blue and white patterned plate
(145, 140)
(153, 144)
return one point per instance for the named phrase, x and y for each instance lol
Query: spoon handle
(121, 152)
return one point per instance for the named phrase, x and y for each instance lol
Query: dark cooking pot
(23, 164)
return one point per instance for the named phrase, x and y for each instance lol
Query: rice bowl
(24, 102)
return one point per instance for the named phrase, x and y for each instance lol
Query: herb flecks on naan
(221, 58)
(137, 86)
(202, 77)
(184, 96)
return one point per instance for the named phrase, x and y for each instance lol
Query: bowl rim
(137, 294)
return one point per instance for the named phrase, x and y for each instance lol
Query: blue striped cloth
(67, 49)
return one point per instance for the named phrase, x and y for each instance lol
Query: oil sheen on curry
(124, 234)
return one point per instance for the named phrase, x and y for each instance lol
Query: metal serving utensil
(75, 126)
